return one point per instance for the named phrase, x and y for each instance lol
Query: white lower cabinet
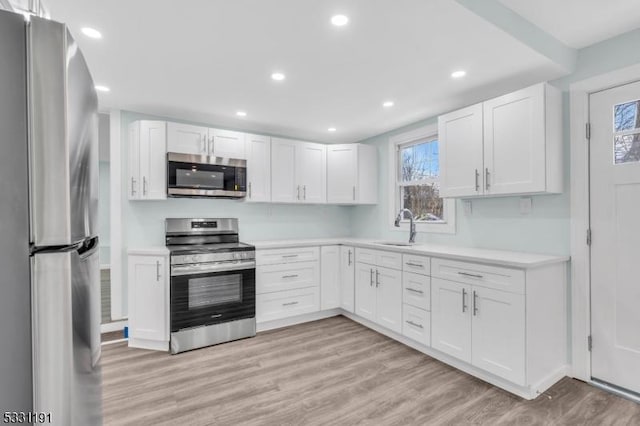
(450, 318)
(287, 276)
(330, 277)
(283, 304)
(148, 301)
(379, 295)
(347, 278)
(416, 324)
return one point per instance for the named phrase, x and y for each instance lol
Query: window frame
(422, 134)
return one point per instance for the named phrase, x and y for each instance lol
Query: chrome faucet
(412, 226)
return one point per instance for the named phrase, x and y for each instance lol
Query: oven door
(195, 175)
(207, 294)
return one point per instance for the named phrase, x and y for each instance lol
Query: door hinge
(589, 343)
(587, 130)
(589, 236)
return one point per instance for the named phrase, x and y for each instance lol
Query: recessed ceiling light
(91, 32)
(387, 104)
(102, 88)
(241, 114)
(458, 74)
(339, 20)
(331, 129)
(277, 76)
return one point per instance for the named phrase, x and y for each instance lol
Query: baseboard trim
(299, 319)
(153, 345)
(113, 326)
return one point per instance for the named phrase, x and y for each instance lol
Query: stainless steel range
(213, 283)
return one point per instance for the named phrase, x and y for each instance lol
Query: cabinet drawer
(416, 324)
(283, 304)
(416, 290)
(499, 278)
(287, 276)
(288, 255)
(385, 259)
(416, 264)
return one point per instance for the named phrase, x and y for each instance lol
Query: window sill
(427, 228)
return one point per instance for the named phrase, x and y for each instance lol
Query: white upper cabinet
(147, 160)
(311, 172)
(505, 146)
(352, 174)
(226, 144)
(298, 172)
(461, 169)
(187, 139)
(258, 150)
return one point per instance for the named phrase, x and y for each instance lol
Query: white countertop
(149, 251)
(495, 257)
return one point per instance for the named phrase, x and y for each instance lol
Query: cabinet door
(498, 330)
(342, 172)
(133, 183)
(365, 291)
(227, 144)
(451, 318)
(329, 277)
(311, 172)
(514, 142)
(258, 168)
(148, 305)
(283, 171)
(389, 299)
(187, 139)
(347, 278)
(153, 159)
(460, 145)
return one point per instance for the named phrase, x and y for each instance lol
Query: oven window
(214, 290)
(200, 179)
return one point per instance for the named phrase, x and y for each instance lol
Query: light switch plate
(526, 205)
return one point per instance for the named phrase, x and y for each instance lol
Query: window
(416, 181)
(626, 138)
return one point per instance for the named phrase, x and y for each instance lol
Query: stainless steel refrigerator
(49, 266)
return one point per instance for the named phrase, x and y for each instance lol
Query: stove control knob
(194, 259)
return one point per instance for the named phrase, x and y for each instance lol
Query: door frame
(580, 221)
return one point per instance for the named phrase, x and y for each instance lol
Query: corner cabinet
(510, 145)
(352, 176)
(147, 160)
(148, 281)
(298, 172)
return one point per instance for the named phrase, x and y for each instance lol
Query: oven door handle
(203, 268)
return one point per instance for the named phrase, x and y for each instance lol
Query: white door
(389, 299)
(187, 139)
(514, 142)
(226, 144)
(498, 332)
(615, 225)
(283, 171)
(461, 166)
(258, 168)
(133, 183)
(342, 173)
(153, 159)
(329, 277)
(311, 172)
(147, 315)
(451, 318)
(347, 278)
(365, 291)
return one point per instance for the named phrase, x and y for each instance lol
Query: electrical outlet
(467, 207)
(526, 205)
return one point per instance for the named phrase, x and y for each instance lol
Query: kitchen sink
(394, 243)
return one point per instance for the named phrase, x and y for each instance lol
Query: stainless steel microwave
(191, 175)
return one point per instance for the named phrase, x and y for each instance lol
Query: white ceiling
(580, 23)
(203, 60)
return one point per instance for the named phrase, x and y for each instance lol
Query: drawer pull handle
(475, 303)
(417, 265)
(289, 303)
(371, 279)
(377, 278)
(289, 255)
(414, 290)
(290, 276)
(414, 324)
(464, 300)
(466, 274)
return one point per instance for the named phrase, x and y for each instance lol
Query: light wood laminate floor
(328, 372)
